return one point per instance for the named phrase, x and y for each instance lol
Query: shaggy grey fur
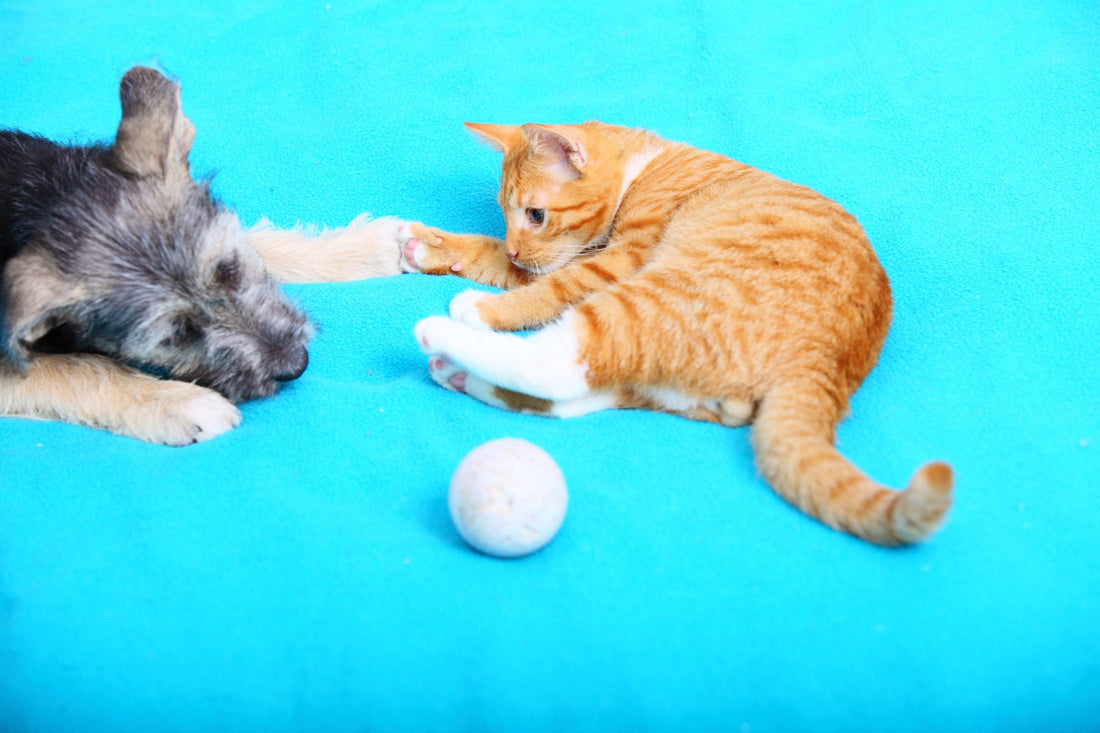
(115, 250)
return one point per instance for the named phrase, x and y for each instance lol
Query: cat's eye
(536, 216)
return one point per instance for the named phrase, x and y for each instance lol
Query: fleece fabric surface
(301, 572)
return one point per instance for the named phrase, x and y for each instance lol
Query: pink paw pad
(458, 381)
(439, 368)
(410, 252)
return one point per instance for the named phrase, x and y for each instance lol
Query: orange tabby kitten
(670, 278)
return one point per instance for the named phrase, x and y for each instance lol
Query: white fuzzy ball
(507, 498)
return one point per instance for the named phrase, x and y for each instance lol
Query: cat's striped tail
(792, 437)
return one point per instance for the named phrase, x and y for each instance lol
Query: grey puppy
(113, 258)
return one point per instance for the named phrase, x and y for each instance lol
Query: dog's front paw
(211, 415)
(463, 307)
(377, 243)
(179, 413)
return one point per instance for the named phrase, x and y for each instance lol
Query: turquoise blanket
(301, 573)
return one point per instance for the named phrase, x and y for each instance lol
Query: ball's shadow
(436, 518)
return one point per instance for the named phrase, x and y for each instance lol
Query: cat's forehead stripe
(705, 288)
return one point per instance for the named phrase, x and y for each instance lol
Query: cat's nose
(511, 248)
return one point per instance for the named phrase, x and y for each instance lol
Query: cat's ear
(501, 137)
(558, 150)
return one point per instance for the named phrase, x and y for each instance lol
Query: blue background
(301, 572)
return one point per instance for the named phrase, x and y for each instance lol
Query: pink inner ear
(577, 155)
(559, 156)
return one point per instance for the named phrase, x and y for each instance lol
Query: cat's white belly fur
(727, 410)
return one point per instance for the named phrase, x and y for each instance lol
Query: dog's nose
(294, 365)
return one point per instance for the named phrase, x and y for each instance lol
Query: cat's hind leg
(456, 378)
(538, 374)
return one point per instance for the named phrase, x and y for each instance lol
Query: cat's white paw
(435, 334)
(464, 307)
(447, 374)
(456, 378)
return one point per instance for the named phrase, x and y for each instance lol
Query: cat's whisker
(738, 298)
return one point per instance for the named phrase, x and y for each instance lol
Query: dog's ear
(36, 299)
(154, 138)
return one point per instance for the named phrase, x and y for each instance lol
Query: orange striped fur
(703, 287)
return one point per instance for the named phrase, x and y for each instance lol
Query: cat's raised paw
(422, 250)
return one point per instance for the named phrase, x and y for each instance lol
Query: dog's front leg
(364, 248)
(98, 392)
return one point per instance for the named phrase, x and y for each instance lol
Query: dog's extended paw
(380, 243)
(180, 413)
(423, 250)
(365, 248)
(463, 307)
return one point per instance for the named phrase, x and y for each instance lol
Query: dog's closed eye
(185, 330)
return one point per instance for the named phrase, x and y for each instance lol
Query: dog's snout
(293, 366)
